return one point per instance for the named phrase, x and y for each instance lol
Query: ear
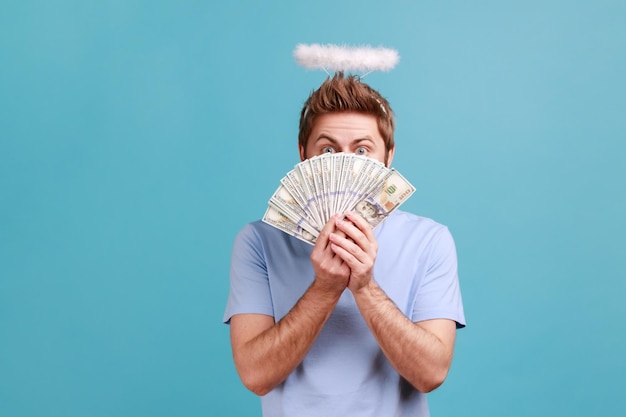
(392, 151)
(302, 153)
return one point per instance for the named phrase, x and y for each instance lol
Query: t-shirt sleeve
(249, 284)
(439, 295)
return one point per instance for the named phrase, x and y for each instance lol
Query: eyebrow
(352, 142)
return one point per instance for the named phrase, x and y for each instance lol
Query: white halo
(345, 58)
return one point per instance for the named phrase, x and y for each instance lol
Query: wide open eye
(328, 149)
(361, 150)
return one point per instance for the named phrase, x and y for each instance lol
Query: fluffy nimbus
(345, 58)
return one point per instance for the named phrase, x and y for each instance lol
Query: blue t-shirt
(345, 373)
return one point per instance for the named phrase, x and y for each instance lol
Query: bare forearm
(416, 353)
(267, 359)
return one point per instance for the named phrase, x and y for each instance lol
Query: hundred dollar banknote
(280, 221)
(323, 185)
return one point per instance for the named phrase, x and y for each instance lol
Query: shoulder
(409, 233)
(256, 230)
(404, 224)
(261, 237)
(254, 235)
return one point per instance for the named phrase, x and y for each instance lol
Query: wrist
(326, 291)
(366, 291)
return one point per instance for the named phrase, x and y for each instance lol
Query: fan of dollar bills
(330, 183)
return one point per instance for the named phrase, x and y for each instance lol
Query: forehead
(346, 125)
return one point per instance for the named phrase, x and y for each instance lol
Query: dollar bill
(385, 198)
(276, 218)
(318, 187)
(284, 202)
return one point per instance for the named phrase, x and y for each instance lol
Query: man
(364, 322)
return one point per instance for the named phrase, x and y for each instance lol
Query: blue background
(137, 137)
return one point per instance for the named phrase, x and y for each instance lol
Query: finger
(346, 256)
(350, 247)
(361, 233)
(355, 233)
(366, 229)
(361, 223)
(359, 267)
(329, 227)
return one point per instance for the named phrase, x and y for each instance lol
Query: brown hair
(347, 94)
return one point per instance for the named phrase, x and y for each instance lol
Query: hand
(331, 272)
(354, 242)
